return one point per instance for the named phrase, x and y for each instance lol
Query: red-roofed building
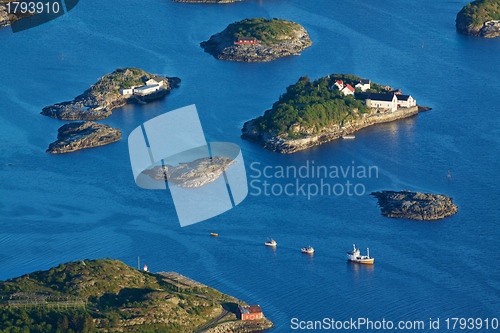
(348, 90)
(250, 312)
(339, 84)
(247, 41)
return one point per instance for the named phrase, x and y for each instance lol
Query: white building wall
(363, 87)
(382, 104)
(145, 90)
(127, 91)
(346, 91)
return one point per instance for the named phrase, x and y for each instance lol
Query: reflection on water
(360, 272)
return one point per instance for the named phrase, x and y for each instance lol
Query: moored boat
(308, 250)
(213, 234)
(271, 242)
(355, 256)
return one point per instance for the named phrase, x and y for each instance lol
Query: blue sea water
(58, 208)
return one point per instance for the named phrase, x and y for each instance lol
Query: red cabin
(246, 41)
(250, 312)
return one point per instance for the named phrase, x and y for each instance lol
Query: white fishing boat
(355, 256)
(271, 242)
(308, 250)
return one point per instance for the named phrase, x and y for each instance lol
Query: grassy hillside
(120, 78)
(97, 295)
(478, 12)
(268, 31)
(311, 105)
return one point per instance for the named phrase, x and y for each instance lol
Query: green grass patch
(313, 105)
(267, 31)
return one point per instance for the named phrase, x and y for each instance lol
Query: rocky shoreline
(101, 98)
(80, 135)
(222, 46)
(415, 205)
(4, 16)
(247, 326)
(284, 146)
(489, 29)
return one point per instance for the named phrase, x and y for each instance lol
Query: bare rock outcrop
(81, 135)
(415, 205)
(192, 174)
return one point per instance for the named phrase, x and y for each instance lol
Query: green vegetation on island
(479, 18)
(106, 94)
(308, 106)
(311, 113)
(267, 31)
(109, 296)
(258, 40)
(121, 78)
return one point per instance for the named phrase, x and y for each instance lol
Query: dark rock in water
(81, 135)
(415, 205)
(192, 174)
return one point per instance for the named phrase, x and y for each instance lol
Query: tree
(62, 324)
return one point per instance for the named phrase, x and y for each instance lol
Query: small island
(480, 18)
(193, 174)
(310, 113)
(258, 40)
(113, 90)
(415, 205)
(108, 296)
(81, 135)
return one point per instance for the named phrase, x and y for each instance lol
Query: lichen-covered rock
(415, 205)
(81, 135)
(192, 174)
(241, 326)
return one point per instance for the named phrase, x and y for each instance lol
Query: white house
(155, 81)
(339, 84)
(405, 101)
(146, 90)
(364, 85)
(348, 90)
(382, 101)
(127, 91)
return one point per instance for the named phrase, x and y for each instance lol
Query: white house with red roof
(339, 84)
(348, 90)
